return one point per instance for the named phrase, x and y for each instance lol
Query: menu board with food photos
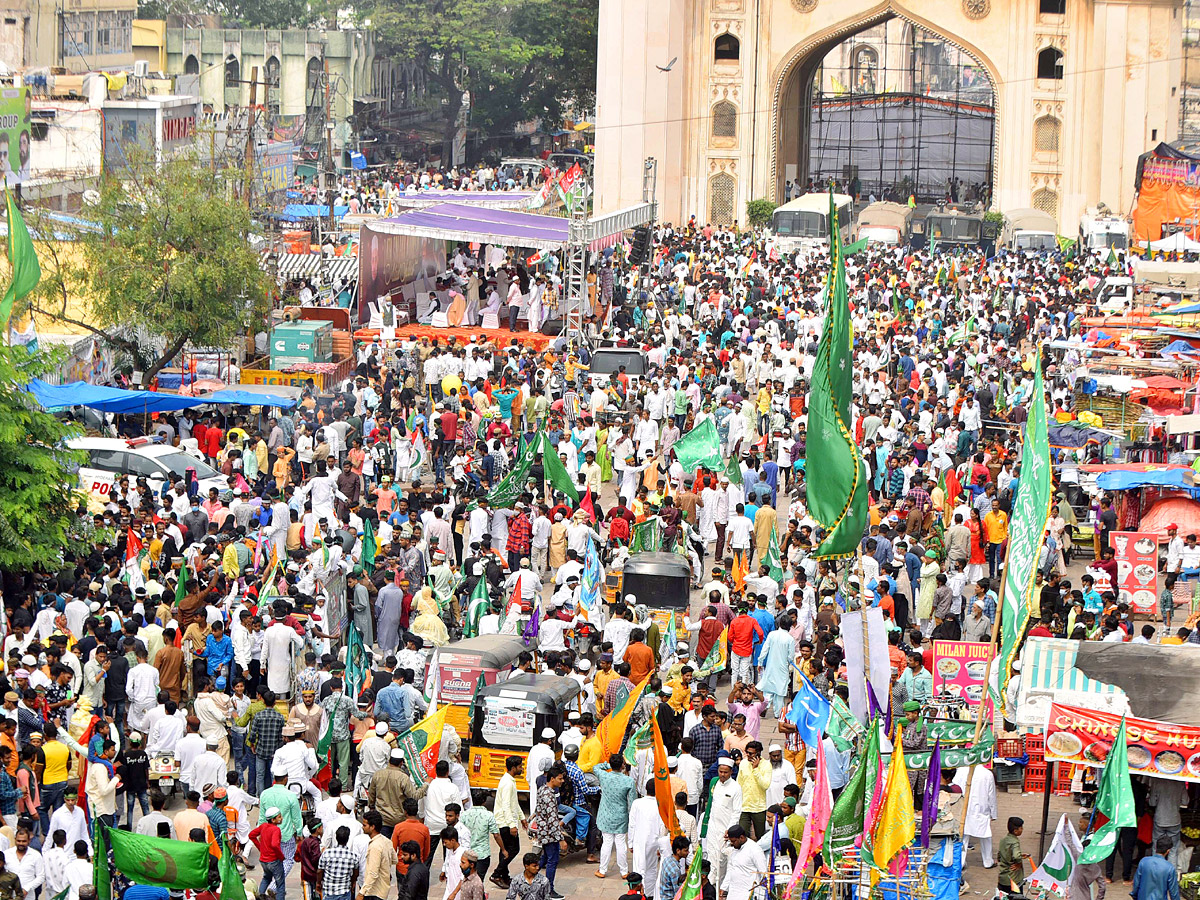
(959, 667)
(1136, 554)
(1157, 749)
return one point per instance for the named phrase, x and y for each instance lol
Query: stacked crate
(1035, 769)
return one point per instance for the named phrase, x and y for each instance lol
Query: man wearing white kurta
(141, 686)
(277, 656)
(783, 773)
(981, 810)
(747, 865)
(726, 810)
(648, 838)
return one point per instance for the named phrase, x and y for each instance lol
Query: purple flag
(532, 626)
(933, 782)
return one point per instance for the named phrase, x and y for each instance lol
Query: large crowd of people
(219, 642)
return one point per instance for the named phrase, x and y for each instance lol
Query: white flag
(1054, 874)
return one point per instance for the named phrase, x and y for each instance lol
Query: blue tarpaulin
(1179, 347)
(1179, 477)
(106, 399)
(358, 161)
(294, 212)
(248, 398)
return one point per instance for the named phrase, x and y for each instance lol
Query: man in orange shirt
(639, 656)
(995, 529)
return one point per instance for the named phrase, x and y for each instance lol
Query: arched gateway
(732, 119)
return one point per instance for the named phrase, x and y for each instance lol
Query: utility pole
(330, 179)
(248, 184)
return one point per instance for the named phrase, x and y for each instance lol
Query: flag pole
(987, 680)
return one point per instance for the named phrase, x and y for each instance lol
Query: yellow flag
(611, 730)
(895, 827)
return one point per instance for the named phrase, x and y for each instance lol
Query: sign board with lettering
(14, 134)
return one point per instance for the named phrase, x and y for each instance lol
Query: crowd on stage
(204, 623)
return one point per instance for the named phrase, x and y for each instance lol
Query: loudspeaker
(552, 326)
(640, 245)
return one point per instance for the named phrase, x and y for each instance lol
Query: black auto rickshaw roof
(550, 692)
(495, 651)
(670, 565)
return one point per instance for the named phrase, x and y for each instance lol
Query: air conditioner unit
(141, 68)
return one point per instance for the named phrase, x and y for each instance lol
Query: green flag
(369, 547)
(184, 578)
(693, 884)
(848, 814)
(356, 662)
(700, 447)
(631, 746)
(772, 557)
(897, 308)
(856, 247)
(505, 494)
(733, 471)
(161, 862)
(101, 874)
(646, 536)
(26, 271)
(232, 886)
(838, 499)
(1114, 799)
(1027, 530)
(1111, 259)
(477, 607)
(556, 472)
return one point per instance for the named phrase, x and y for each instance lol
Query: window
(722, 190)
(1052, 7)
(1046, 201)
(724, 120)
(1050, 64)
(77, 31)
(191, 66)
(107, 460)
(272, 72)
(114, 32)
(1046, 132)
(727, 48)
(233, 72)
(865, 65)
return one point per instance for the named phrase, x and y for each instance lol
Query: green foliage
(758, 213)
(994, 217)
(170, 260)
(234, 13)
(525, 59)
(37, 502)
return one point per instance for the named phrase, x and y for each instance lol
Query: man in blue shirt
(1155, 878)
(218, 651)
(394, 705)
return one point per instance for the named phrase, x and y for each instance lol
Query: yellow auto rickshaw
(457, 668)
(507, 720)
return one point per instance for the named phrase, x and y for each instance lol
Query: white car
(149, 458)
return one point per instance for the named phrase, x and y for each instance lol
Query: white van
(148, 457)
(607, 361)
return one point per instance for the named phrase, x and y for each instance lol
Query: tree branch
(166, 356)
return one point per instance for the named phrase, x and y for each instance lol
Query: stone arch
(724, 123)
(1046, 200)
(809, 52)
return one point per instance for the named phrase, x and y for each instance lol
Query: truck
(1030, 230)
(951, 226)
(1102, 230)
(886, 223)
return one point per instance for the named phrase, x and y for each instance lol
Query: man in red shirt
(742, 631)
(213, 438)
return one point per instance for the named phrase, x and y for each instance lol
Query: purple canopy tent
(411, 199)
(461, 222)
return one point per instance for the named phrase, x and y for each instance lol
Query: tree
(38, 502)
(233, 13)
(517, 61)
(167, 258)
(758, 213)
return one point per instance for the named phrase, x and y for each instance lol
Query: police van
(144, 457)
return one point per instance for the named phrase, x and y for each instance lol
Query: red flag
(133, 545)
(586, 504)
(84, 740)
(535, 259)
(953, 488)
(662, 782)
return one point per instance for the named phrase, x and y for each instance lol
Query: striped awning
(306, 265)
(1048, 672)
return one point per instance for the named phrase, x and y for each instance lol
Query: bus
(946, 227)
(804, 222)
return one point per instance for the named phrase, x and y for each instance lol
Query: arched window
(864, 66)
(233, 72)
(724, 120)
(1046, 201)
(272, 72)
(312, 83)
(1046, 132)
(727, 48)
(1050, 64)
(722, 191)
(191, 65)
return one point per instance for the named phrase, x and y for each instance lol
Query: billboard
(14, 134)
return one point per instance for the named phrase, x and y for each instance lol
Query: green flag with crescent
(161, 862)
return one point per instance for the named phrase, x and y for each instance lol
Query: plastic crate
(1035, 743)
(1008, 748)
(1035, 783)
(1063, 777)
(1007, 774)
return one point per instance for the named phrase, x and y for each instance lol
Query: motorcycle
(164, 772)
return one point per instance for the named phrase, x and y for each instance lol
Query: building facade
(1081, 88)
(77, 35)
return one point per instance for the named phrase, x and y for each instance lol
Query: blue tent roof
(248, 398)
(106, 399)
(293, 212)
(1122, 481)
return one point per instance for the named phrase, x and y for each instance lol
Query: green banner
(161, 862)
(953, 757)
(846, 819)
(556, 473)
(506, 493)
(1027, 531)
(700, 447)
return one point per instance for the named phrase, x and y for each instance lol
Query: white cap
(381, 728)
(396, 753)
(278, 768)
(583, 665)
(672, 762)
(347, 800)
(272, 812)
(725, 761)
(549, 733)
(774, 748)
(629, 598)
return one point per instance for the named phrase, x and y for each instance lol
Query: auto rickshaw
(457, 668)
(507, 720)
(662, 582)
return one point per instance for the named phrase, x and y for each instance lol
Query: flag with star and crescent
(156, 861)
